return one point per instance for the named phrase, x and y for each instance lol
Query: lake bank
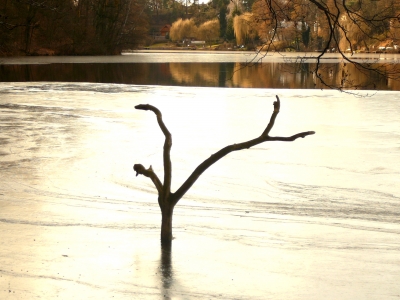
(153, 56)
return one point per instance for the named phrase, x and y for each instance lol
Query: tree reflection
(166, 270)
(196, 74)
(288, 75)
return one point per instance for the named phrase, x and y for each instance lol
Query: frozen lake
(318, 218)
(288, 70)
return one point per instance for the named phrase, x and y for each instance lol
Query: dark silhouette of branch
(139, 169)
(166, 186)
(277, 106)
(168, 200)
(175, 197)
(264, 137)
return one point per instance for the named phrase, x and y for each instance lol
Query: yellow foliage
(182, 29)
(209, 31)
(244, 28)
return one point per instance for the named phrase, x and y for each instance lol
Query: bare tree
(167, 199)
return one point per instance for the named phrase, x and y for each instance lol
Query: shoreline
(158, 56)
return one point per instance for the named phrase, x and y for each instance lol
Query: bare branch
(277, 105)
(291, 138)
(139, 169)
(168, 200)
(235, 147)
(158, 114)
(166, 187)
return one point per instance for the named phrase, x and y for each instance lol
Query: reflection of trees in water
(261, 75)
(271, 75)
(75, 72)
(352, 76)
(196, 73)
(166, 270)
(296, 75)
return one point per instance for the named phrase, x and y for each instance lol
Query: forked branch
(166, 186)
(139, 169)
(264, 137)
(175, 197)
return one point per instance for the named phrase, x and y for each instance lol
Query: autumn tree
(182, 29)
(332, 25)
(234, 9)
(244, 29)
(209, 31)
(168, 199)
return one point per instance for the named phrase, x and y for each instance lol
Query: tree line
(301, 25)
(62, 27)
(71, 27)
(327, 24)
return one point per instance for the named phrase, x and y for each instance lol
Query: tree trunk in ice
(166, 222)
(166, 199)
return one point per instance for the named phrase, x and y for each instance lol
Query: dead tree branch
(139, 169)
(168, 200)
(165, 187)
(264, 137)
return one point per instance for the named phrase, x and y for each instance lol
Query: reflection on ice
(166, 269)
(318, 218)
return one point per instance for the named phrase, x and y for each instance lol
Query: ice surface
(318, 218)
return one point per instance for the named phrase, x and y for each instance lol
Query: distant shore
(285, 56)
(161, 56)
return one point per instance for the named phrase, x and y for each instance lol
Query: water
(205, 69)
(318, 218)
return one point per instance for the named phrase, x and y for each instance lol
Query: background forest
(87, 27)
